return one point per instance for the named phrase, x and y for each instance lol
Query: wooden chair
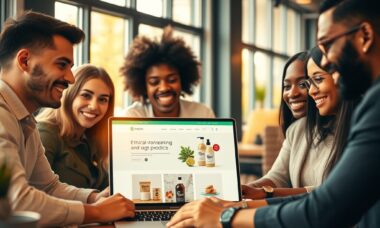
(257, 121)
(273, 140)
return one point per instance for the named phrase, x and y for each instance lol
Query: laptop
(163, 163)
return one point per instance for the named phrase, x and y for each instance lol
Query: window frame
(252, 47)
(129, 12)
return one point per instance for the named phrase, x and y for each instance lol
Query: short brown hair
(35, 31)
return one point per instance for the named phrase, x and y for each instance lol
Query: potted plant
(5, 177)
(260, 96)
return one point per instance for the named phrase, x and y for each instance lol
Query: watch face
(227, 214)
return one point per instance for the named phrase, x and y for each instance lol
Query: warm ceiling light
(303, 2)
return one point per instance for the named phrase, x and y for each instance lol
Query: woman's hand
(252, 192)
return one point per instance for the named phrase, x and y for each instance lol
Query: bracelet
(244, 204)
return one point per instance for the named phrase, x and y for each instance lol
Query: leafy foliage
(185, 153)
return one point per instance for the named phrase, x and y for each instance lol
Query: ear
(22, 58)
(367, 34)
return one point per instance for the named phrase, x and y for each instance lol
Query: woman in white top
(313, 144)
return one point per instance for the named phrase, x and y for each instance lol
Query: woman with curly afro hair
(159, 73)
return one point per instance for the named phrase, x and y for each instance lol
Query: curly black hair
(145, 52)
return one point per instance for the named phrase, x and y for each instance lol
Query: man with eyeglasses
(349, 36)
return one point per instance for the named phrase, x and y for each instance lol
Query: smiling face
(163, 86)
(355, 75)
(326, 95)
(295, 92)
(49, 73)
(91, 103)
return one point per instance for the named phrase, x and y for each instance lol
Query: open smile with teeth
(60, 87)
(88, 115)
(297, 104)
(166, 99)
(319, 101)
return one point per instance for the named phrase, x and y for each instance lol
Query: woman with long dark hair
(313, 144)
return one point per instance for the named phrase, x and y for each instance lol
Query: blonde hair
(64, 116)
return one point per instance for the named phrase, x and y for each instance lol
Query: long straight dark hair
(286, 117)
(320, 127)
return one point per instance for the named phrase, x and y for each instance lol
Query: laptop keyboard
(152, 216)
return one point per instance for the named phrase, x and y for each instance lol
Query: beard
(38, 86)
(355, 76)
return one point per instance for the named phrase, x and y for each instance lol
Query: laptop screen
(166, 161)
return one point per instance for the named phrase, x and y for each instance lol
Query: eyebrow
(67, 60)
(299, 78)
(90, 91)
(168, 75)
(319, 73)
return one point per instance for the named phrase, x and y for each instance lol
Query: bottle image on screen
(201, 152)
(180, 191)
(210, 157)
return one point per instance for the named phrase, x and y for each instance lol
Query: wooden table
(250, 150)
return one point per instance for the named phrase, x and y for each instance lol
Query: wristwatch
(227, 216)
(268, 191)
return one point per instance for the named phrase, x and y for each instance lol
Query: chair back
(273, 140)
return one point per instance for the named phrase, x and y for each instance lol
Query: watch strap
(227, 223)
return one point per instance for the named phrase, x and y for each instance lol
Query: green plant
(260, 93)
(5, 178)
(186, 153)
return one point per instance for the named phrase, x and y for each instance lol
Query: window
(279, 33)
(187, 12)
(261, 63)
(248, 83)
(2, 13)
(278, 68)
(155, 8)
(275, 35)
(109, 36)
(110, 26)
(8, 8)
(116, 2)
(73, 15)
(262, 24)
(150, 31)
(293, 32)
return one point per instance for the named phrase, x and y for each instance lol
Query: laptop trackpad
(140, 224)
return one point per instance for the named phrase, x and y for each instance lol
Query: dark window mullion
(86, 18)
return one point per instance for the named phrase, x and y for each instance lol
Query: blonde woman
(75, 135)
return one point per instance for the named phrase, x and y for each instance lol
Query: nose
(69, 77)
(163, 86)
(336, 76)
(325, 62)
(93, 104)
(313, 90)
(294, 91)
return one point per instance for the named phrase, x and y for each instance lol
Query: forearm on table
(261, 182)
(281, 192)
(244, 218)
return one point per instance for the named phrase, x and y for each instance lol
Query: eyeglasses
(326, 44)
(300, 85)
(315, 80)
